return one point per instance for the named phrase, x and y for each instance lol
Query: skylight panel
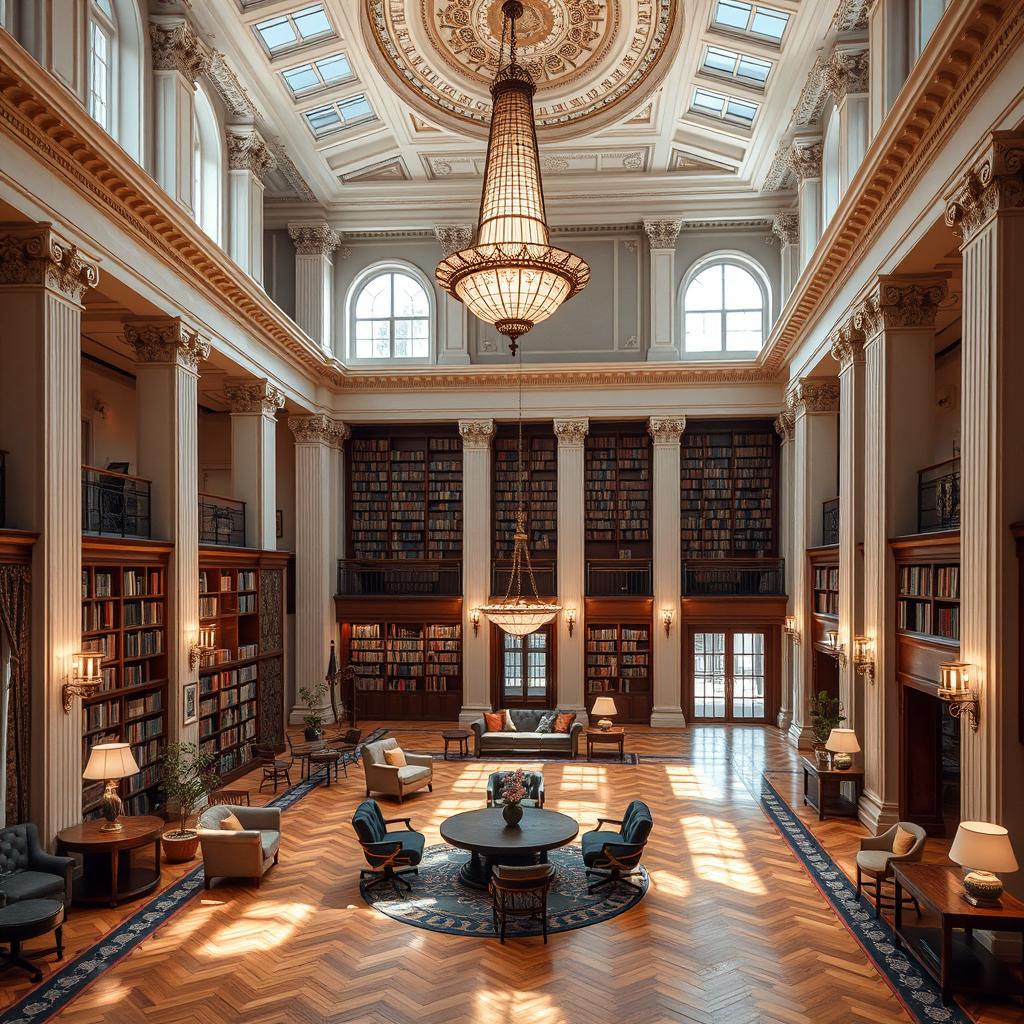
(287, 31)
(318, 74)
(340, 114)
(725, 63)
(751, 19)
(726, 108)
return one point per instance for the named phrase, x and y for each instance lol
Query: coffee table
(614, 737)
(490, 841)
(459, 736)
(25, 920)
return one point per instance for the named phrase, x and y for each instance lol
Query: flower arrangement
(514, 788)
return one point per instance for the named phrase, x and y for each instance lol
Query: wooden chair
(275, 769)
(239, 797)
(876, 858)
(520, 892)
(301, 752)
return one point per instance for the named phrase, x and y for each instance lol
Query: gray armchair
(245, 854)
(29, 872)
(876, 859)
(382, 777)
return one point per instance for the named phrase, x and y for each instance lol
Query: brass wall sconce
(207, 642)
(474, 617)
(955, 689)
(864, 657)
(570, 619)
(666, 617)
(790, 628)
(85, 679)
(835, 648)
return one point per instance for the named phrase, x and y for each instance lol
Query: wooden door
(727, 670)
(524, 670)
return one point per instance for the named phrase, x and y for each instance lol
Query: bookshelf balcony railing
(545, 573)
(734, 577)
(221, 520)
(613, 578)
(3, 488)
(398, 578)
(938, 497)
(115, 504)
(830, 522)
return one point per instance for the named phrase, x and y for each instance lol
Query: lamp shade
(110, 761)
(983, 846)
(604, 706)
(842, 741)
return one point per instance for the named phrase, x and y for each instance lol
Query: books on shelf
(540, 493)
(617, 489)
(928, 597)
(404, 657)
(617, 658)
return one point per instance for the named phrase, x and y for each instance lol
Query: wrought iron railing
(115, 504)
(545, 573)
(613, 578)
(830, 521)
(399, 577)
(938, 497)
(221, 520)
(734, 577)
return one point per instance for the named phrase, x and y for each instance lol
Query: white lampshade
(604, 706)
(842, 741)
(983, 846)
(110, 761)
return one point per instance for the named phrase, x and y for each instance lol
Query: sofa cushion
(547, 722)
(270, 843)
(523, 740)
(903, 841)
(564, 720)
(395, 757)
(31, 885)
(527, 719)
(494, 721)
(231, 824)
(593, 844)
(412, 773)
(509, 725)
(874, 862)
(14, 847)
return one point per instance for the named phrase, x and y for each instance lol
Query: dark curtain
(15, 616)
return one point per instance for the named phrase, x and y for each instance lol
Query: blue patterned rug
(439, 902)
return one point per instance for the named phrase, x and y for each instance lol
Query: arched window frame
(719, 258)
(103, 60)
(207, 167)
(830, 174)
(352, 298)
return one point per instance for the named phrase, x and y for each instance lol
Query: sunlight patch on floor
(500, 1007)
(691, 783)
(258, 928)
(718, 854)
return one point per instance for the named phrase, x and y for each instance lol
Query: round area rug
(441, 903)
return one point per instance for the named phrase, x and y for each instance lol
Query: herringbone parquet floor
(732, 930)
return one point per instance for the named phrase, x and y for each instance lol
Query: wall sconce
(570, 619)
(474, 617)
(864, 656)
(666, 617)
(207, 642)
(954, 688)
(791, 630)
(835, 648)
(85, 679)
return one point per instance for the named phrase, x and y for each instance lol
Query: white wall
(215, 452)
(109, 406)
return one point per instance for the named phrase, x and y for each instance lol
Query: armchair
(615, 856)
(29, 872)
(382, 777)
(876, 858)
(534, 789)
(245, 854)
(389, 854)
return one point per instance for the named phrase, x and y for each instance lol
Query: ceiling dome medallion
(593, 61)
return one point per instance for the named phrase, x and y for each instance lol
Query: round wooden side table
(458, 736)
(108, 873)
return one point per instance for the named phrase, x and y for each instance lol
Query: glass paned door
(729, 676)
(709, 675)
(747, 675)
(525, 669)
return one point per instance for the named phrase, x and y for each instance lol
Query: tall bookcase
(405, 494)
(928, 599)
(729, 486)
(826, 589)
(124, 616)
(540, 455)
(617, 493)
(618, 664)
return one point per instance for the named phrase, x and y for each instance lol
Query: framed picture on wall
(280, 524)
(190, 708)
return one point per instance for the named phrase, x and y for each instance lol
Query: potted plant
(313, 698)
(826, 714)
(187, 777)
(513, 790)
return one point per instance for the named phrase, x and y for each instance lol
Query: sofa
(29, 872)
(245, 854)
(525, 740)
(382, 777)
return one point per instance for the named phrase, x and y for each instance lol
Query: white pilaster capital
(317, 429)
(35, 254)
(846, 73)
(314, 238)
(176, 47)
(666, 430)
(899, 303)
(476, 433)
(166, 340)
(804, 158)
(247, 151)
(784, 424)
(813, 396)
(453, 237)
(847, 344)
(786, 227)
(994, 183)
(253, 396)
(662, 234)
(572, 433)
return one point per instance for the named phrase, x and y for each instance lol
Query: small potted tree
(826, 714)
(313, 698)
(187, 778)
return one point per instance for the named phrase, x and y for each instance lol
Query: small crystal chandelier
(513, 277)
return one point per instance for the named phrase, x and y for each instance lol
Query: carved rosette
(809, 395)
(804, 158)
(846, 72)
(666, 429)
(784, 423)
(662, 234)
(166, 341)
(318, 429)
(476, 433)
(314, 239)
(995, 183)
(847, 345)
(786, 227)
(250, 396)
(571, 433)
(176, 47)
(248, 152)
(453, 237)
(34, 254)
(899, 304)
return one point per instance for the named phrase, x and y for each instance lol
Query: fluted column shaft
(786, 227)
(784, 428)
(315, 244)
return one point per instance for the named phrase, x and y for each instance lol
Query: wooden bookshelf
(928, 587)
(618, 664)
(825, 589)
(617, 493)
(405, 493)
(729, 486)
(124, 615)
(540, 453)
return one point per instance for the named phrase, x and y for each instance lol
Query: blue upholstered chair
(389, 854)
(534, 789)
(615, 856)
(29, 872)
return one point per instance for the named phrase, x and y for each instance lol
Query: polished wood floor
(732, 930)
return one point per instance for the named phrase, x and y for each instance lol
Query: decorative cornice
(166, 340)
(290, 173)
(176, 47)
(846, 72)
(784, 425)
(476, 433)
(786, 227)
(34, 254)
(666, 429)
(453, 237)
(247, 151)
(851, 15)
(318, 429)
(572, 433)
(994, 183)
(237, 100)
(903, 302)
(314, 238)
(809, 395)
(804, 159)
(253, 396)
(662, 234)
(847, 345)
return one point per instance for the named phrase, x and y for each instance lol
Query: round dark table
(25, 920)
(458, 736)
(490, 841)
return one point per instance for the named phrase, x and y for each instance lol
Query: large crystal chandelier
(513, 277)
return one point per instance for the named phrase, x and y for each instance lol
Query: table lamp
(111, 762)
(841, 744)
(982, 849)
(604, 706)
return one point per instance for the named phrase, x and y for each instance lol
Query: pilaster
(56, 33)
(784, 428)
(315, 243)
(846, 77)
(662, 235)
(786, 227)
(249, 160)
(453, 347)
(889, 56)
(805, 160)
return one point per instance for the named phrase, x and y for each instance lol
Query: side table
(823, 789)
(459, 736)
(606, 737)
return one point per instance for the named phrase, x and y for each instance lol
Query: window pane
(718, 59)
(705, 291)
(754, 69)
(410, 298)
(748, 675)
(743, 332)
(104, 6)
(708, 102)
(401, 347)
(740, 110)
(276, 33)
(703, 332)
(709, 675)
(382, 330)
(355, 107)
(312, 21)
(323, 119)
(369, 302)
(301, 78)
(363, 348)
(333, 68)
(382, 349)
(769, 23)
(732, 13)
(741, 290)
(420, 348)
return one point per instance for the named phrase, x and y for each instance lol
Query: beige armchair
(245, 854)
(398, 782)
(876, 859)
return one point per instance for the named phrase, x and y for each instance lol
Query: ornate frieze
(810, 395)
(35, 254)
(314, 239)
(784, 423)
(571, 433)
(176, 47)
(805, 159)
(318, 429)
(666, 429)
(247, 151)
(662, 234)
(846, 72)
(994, 183)
(899, 302)
(476, 433)
(847, 344)
(786, 227)
(453, 237)
(168, 340)
(251, 395)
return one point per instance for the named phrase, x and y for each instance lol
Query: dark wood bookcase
(928, 586)
(617, 492)
(540, 453)
(618, 656)
(825, 589)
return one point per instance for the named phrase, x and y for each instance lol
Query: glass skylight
(751, 19)
(338, 115)
(318, 74)
(287, 31)
(730, 64)
(727, 108)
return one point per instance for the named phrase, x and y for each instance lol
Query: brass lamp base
(113, 808)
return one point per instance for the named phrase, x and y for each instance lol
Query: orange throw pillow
(494, 721)
(564, 720)
(395, 757)
(903, 842)
(231, 824)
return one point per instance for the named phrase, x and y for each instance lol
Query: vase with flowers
(513, 790)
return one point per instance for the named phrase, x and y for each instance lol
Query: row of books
(942, 582)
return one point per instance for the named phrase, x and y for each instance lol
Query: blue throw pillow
(546, 722)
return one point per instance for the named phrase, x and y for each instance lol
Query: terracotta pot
(180, 847)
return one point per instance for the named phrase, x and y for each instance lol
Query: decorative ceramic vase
(983, 886)
(513, 814)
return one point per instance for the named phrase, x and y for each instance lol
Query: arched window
(390, 313)
(830, 179)
(726, 307)
(102, 55)
(207, 161)
(117, 84)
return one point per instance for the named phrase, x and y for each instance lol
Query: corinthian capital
(247, 151)
(805, 159)
(35, 254)
(318, 429)
(662, 234)
(786, 227)
(784, 425)
(572, 433)
(167, 340)
(666, 429)
(847, 344)
(906, 301)
(251, 395)
(845, 72)
(476, 433)
(176, 47)
(813, 395)
(453, 237)
(994, 183)
(314, 238)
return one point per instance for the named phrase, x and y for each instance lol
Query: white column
(814, 403)
(987, 208)
(666, 650)
(784, 428)
(56, 33)
(42, 282)
(662, 235)
(316, 501)
(254, 406)
(786, 227)
(178, 59)
(453, 345)
(167, 356)
(889, 50)
(572, 437)
(248, 161)
(315, 244)
(477, 436)
(846, 77)
(897, 318)
(805, 159)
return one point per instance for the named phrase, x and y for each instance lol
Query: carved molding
(314, 239)
(810, 395)
(35, 254)
(247, 151)
(249, 395)
(994, 183)
(167, 340)
(235, 96)
(476, 433)
(572, 433)
(804, 159)
(176, 47)
(899, 302)
(318, 429)
(846, 72)
(847, 345)
(786, 227)
(453, 237)
(666, 429)
(662, 234)
(784, 424)
(851, 15)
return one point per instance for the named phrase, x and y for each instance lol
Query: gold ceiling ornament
(513, 277)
